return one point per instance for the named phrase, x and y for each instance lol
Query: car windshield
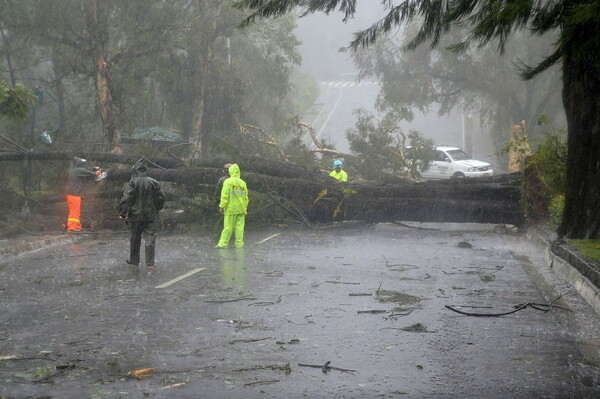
(458, 155)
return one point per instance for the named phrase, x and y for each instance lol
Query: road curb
(13, 248)
(582, 273)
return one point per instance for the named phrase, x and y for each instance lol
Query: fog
(322, 36)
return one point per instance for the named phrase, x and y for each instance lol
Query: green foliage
(545, 176)
(177, 64)
(590, 248)
(555, 209)
(549, 161)
(384, 150)
(42, 372)
(15, 101)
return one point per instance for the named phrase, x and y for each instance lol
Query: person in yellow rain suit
(233, 207)
(337, 172)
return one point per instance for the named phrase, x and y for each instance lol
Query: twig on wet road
(61, 369)
(394, 315)
(285, 368)
(237, 341)
(265, 303)
(487, 314)
(413, 227)
(326, 367)
(374, 311)
(244, 298)
(521, 306)
(248, 384)
(537, 306)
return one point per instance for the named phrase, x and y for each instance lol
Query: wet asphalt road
(75, 320)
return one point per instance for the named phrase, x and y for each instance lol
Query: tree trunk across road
(320, 198)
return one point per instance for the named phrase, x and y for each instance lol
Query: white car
(454, 163)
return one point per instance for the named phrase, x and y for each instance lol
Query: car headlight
(470, 169)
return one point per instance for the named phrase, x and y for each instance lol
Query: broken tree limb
(271, 142)
(61, 369)
(259, 164)
(249, 384)
(282, 202)
(245, 298)
(518, 307)
(487, 314)
(326, 367)
(237, 341)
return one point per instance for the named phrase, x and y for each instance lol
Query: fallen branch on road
(61, 369)
(248, 384)
(394, 315)
(374, 311)
(326, 367)
(416, 328)
(544, 307)
(248, 340)
(244, 298)
(265, 303)
(487, 314)
(285, 368)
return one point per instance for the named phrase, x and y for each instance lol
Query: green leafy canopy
(15, 101)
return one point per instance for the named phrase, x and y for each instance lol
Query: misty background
(322, 36)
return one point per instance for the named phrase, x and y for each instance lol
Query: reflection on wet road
(263, 321)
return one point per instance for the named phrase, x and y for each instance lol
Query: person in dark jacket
(219, 185)
(80, 177)
(140, 205)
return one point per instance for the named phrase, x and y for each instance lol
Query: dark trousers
(148, 230)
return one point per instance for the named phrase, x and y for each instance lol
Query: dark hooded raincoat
(141, 202)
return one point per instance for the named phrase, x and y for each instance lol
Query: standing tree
(100, 40)
(576, 51)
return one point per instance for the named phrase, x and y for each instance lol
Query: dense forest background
(179, 79)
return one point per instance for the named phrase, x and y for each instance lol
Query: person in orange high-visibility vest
(79, 177)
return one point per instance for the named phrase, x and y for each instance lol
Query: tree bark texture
(581, 84)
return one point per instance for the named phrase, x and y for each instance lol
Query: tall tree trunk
(198, 135)
(7, 55)
(98, 26)
(581, 84)
(212, 12)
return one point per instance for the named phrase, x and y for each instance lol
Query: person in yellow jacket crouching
(233, 207)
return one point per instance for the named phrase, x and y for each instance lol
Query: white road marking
(329, 116)
(190, 273)
(343, 84)
(268, 238)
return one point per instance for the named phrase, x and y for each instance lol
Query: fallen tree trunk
(323, 199)
(315, 197)
(249, 164)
